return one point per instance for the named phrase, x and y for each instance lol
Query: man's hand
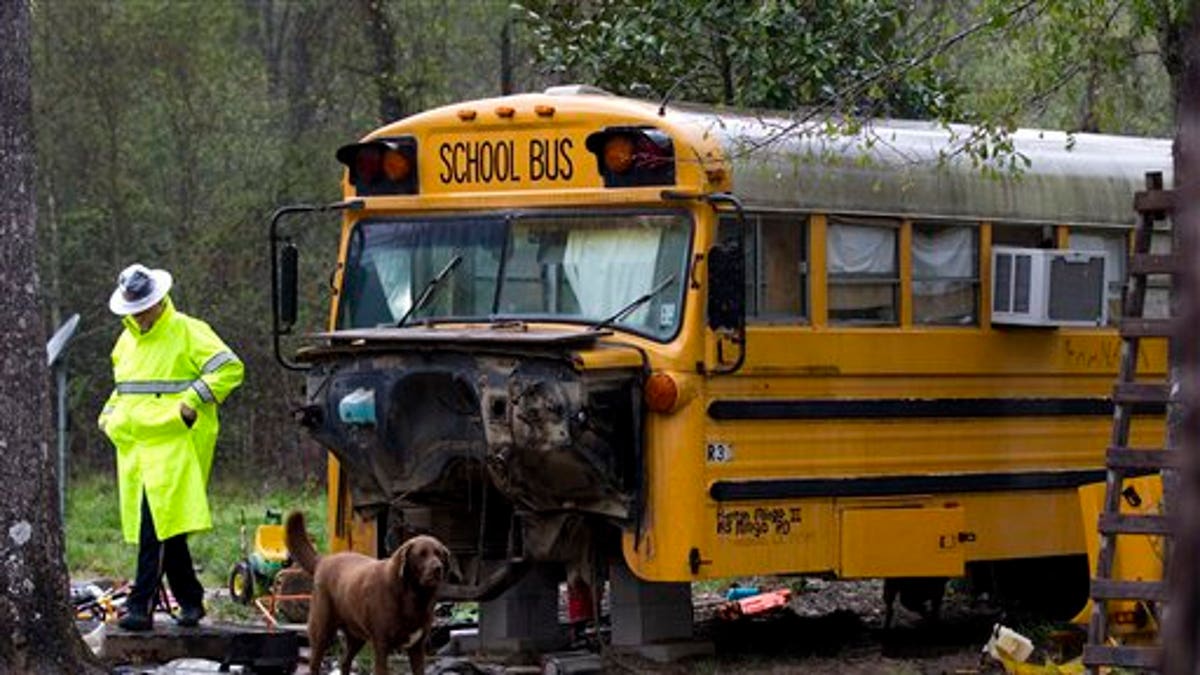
(188, 415)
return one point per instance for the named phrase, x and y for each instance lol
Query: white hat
(139, 289)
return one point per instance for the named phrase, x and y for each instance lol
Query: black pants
(170, 556)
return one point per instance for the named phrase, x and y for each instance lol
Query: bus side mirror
(726, 287)
(289, 275)
(285, 275)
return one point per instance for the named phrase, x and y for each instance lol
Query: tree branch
(851, 92)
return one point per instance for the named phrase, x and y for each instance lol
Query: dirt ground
(829, 627)
(837, 627)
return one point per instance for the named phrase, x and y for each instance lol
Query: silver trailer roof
(1083, 179)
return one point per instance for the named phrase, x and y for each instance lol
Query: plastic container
(739, 592)
(1008, 642)
(358, 407)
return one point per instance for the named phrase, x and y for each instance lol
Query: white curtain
(858, 249)
(392, 266)
(942, 252)
(609, 268)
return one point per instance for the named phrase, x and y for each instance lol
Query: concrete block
(645, 612)
(525, 617)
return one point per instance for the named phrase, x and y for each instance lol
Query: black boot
(136, 621)
(190, 616)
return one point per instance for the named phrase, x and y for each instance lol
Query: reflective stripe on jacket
(179, 360)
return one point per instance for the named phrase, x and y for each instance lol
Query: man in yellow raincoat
(170, 372)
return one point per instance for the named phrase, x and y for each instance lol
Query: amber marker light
(505, 111)
(661, 393)
(544, 110)
(466, 115)
(396, 166)
(618, 153)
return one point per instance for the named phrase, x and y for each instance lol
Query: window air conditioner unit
(1045, 287)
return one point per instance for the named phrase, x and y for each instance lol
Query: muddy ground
(829, 627)
(838, 627)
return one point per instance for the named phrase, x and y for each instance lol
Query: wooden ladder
(1122, 461)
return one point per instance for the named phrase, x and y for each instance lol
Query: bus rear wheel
(1054, 588)
(921, 595)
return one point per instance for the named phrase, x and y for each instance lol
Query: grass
(96, 548)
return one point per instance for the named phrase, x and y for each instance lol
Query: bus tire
(1054, 588)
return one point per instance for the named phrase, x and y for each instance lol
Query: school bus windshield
(579, 268)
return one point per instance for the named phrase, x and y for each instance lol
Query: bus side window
(727, 229)
(1115, 243)
(776, 247)
(945, 271)
(864, 271)
(1023, 236)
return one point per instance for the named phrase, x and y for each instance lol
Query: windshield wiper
(427, 293)
(628, 309)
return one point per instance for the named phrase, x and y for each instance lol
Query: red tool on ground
(580, 608)
(755, 604)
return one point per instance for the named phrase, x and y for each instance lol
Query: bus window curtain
(862, 250)
(861, 253)
(943, 253)
(609, 268)
(945, 274)
(395, 276)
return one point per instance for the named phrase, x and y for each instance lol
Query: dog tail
(299, 545)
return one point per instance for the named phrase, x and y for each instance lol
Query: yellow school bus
(578, 328)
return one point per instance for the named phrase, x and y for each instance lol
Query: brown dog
(388, 603)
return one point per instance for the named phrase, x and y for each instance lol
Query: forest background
(168, 131)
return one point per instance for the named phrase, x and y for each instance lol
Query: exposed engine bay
(507, 451)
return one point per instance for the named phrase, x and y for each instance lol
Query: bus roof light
(466, 115)
(382, 166)
(544, 110)
(633, 156)
(505, 111)
(618, 153)
(396, 165)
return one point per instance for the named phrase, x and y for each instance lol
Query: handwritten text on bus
(505, 161)
(757, 522)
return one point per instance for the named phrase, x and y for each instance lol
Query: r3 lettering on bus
(497, 161)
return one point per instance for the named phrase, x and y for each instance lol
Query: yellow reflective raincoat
(179, 360)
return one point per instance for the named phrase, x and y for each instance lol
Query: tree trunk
(383, 44)
(1181, 634)
(37, 632)
(720, 43)
(506, 57)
